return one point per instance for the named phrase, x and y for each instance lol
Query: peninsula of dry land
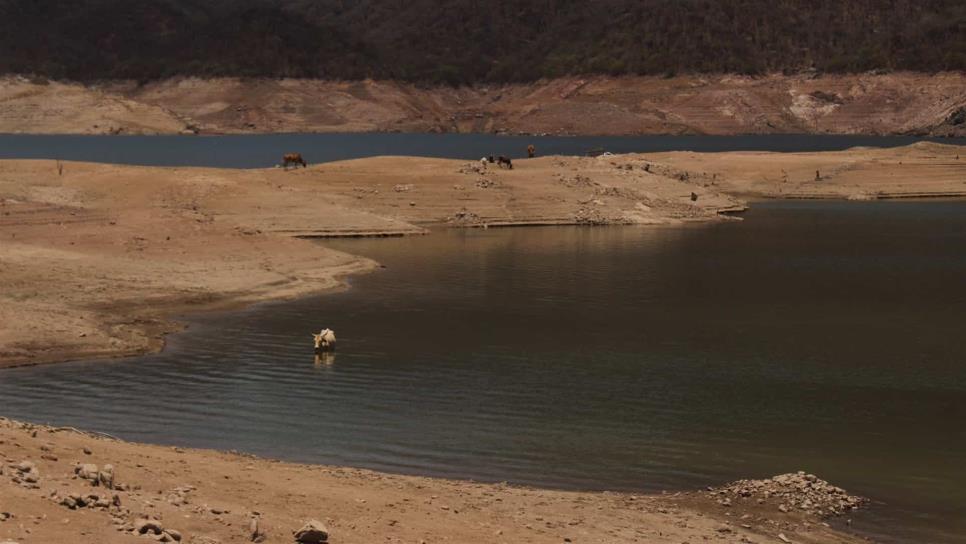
(95, 258)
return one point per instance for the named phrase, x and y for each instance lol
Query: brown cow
(293, 158)
(531, 151)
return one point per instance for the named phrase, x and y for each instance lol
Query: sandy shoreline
(212, 497)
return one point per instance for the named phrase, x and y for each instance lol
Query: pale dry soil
(895, 103)
(211, 497)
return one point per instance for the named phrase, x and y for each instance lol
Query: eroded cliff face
(898, 103)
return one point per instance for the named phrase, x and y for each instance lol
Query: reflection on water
(326, 358)
(824, 337)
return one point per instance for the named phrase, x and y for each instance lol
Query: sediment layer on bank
(894, 103)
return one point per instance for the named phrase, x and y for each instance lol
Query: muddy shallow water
(818, 336)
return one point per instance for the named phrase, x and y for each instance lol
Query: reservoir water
(265, 150)
(818, 336)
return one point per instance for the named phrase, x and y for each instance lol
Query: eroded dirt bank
(896, 103)
(48, 494)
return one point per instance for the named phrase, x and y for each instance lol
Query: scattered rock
(87, 471)
(255, 532)
(145, 526)
(485, 183)
(106, 476)
(466, 217)
(313, 532)
(794, 490)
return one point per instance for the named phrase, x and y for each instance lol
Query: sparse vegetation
(470, 41)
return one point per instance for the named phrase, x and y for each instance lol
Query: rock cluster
(313, 532)
(24, 473)
(179, 496)
(90, 500)
(473, 168)
(589, 216)
(484, 183)
(153, 528)
(793, 491)
(465, 216)
(103, 477)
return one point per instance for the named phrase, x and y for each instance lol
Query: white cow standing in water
(324, 341)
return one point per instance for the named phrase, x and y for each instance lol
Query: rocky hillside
(474, 41)
(896, 103)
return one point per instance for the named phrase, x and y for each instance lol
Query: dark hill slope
(467, 41)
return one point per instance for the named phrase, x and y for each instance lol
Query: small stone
(783, 538)
(255, 533)
(175, 535)
(87, 471)
(106, 476)
(144, 526)
(313, 532)
(87, 451)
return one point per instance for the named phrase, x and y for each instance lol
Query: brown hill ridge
(880, 104)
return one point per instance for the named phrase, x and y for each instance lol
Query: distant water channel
(265, 150)
(826, 337)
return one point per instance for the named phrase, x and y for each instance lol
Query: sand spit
(895, 103)
(61, 485)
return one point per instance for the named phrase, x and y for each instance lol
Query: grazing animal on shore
(324, 341)
(531, 151)
(483, 162)
(293, 158)
(504, 162)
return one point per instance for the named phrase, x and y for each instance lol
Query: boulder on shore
(313, 532)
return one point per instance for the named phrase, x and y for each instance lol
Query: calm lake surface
(265, 150)
(826, 337)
